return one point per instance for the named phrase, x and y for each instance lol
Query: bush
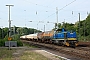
(2, 43)
(19, 43)
(15, 37)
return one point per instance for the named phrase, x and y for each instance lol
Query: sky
(42, 11)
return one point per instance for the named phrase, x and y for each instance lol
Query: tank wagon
(45, 36)
(23, 37)
(31, 37)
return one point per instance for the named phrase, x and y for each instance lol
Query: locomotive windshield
(61, 30)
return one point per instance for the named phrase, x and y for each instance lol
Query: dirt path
(20, 51)
(48, 55)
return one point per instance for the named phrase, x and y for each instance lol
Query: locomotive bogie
(67, 44)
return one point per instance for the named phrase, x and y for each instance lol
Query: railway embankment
(80, 52)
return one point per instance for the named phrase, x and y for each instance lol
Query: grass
(6, 54)
(23, 54)
(59, 58)
(29, 55)
(28, 45)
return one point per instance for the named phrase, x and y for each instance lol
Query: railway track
(84, 48)
(80, 52)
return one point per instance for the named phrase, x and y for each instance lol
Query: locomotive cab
(60, 36)
(63, 37)
(72, 38)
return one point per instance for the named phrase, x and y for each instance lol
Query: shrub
(15, 37)
(19, 43)
(2, 43)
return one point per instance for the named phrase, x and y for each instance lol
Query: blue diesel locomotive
(66, 38)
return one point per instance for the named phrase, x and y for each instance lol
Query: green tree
(87, 25)
(0, 33)
(5, 31)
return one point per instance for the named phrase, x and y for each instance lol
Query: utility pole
(9, 24)
(79, 25)
(44, 28)
(37, 27)
(84, 30)
(14, 29)
(57, 16)
(2, 32)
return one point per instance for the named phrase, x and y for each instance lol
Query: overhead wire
(49, 7)
(38, 4)
(82, 14)
(28, 1)
(60, 9)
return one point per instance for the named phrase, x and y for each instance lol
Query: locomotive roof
(61, 29)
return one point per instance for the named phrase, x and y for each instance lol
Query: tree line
(84, 29)
(84, 34)
(16, 30)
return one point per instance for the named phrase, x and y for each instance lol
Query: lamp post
(9, 24)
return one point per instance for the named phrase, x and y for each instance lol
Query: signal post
(9, 38)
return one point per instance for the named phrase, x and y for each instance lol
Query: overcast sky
(24, 11)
